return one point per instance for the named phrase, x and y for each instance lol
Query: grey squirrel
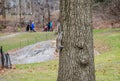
(60, 46)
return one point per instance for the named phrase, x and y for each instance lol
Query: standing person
(51, 24)
(32, 26)
(28, 28)
(48, 25)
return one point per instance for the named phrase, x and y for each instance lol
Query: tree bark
(48, 8)
(3, 13)
(2, 56)
(20, 12)
(76, 59)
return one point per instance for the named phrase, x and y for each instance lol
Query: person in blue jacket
(32, 26)
(49, 25)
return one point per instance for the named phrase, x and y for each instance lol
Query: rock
(39, 52)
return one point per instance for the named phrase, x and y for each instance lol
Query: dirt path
(11, 35)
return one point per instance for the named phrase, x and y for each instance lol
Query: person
(45, 28)
(28, 28)
(32, 26)
(49, 25)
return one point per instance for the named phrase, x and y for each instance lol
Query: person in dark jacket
(49, 25)
(28, 28)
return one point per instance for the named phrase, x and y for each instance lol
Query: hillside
(25, 10)
(106, 13)
(107, 64)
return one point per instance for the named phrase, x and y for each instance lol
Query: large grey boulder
(39, 52)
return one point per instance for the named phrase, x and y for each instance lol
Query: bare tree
(43, 15)
(2, 56)
(114, 9)
(20, 12)
(48, 10)
(76, 58)
(3, 13)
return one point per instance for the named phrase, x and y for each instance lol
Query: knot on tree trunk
(84, 61)
(83, 55)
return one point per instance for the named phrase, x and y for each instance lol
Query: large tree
(76, 59)
(3, 13)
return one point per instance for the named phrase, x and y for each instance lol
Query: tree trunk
(20, 12)
(43, 20)
(48, 8)
(76, 59)
(3, 13)
(2, 56)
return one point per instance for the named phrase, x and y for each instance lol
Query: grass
(107, 64)
(3, 34)
(25, 39)
(45, 71)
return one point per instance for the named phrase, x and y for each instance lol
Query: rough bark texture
(20, 6)
(48, 10)
(3, 13)
(2, 57)
(76, 61)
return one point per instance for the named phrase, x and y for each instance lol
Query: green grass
(107, 40)
(45, 71)
(107, 64)
(22, 40)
